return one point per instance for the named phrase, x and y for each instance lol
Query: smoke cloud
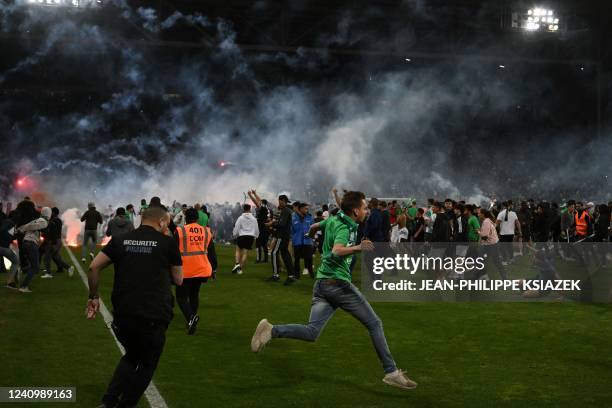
(406, 130)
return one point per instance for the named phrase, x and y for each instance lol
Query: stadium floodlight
(536, 19)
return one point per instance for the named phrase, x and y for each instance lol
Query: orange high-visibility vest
(582, 226)
(193, 244)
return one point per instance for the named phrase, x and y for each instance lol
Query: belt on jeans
(331, 281)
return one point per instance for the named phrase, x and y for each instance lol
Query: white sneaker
(399, 379)
(263, 334)
(239, 271)
(83, 260)
(91, 255)
(70, 271)
(46, 276)
(25, 290)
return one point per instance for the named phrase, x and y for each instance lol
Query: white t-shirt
(507, 227)
(429, 222)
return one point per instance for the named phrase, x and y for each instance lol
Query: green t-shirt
(339, 229)
(412, 212)
(202, 218)
(473, 227)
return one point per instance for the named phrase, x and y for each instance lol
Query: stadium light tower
(536, 19)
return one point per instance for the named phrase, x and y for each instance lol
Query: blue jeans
(30, 250)
(326, 298)
(87, 235)
(11, 256)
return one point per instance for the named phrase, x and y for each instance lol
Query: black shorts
(245, 242)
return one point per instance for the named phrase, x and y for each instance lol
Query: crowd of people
(280, 233)
(37, 235)
(160, 246)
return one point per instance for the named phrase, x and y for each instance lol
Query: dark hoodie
(91, 218)
(119, 225)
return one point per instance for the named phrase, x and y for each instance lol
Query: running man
(333, 289)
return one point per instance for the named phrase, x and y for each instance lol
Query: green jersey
(473, 227)
(339, 229)
(412, 212)
(202, 218)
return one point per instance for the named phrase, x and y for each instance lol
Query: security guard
(146, 261)
(582, 220)
(199, 263)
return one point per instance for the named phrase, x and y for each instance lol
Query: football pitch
(461, 354)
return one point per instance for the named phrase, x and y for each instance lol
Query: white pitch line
(152, 394)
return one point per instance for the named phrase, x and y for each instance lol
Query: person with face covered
(333, 289)
(147, 262)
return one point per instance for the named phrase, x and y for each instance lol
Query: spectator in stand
(92, 219)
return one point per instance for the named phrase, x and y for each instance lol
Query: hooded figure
(120, 224)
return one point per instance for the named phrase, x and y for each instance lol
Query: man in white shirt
(508, 223)
(179, 218)
(245, 232)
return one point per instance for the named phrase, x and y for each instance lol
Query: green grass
(462, 354)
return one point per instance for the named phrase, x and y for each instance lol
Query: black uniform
(262, 240)
(282, 231)
(142, 307)
(53, 245)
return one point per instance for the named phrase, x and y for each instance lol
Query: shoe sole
(396, 385)
(192, 327)
(256, 348)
